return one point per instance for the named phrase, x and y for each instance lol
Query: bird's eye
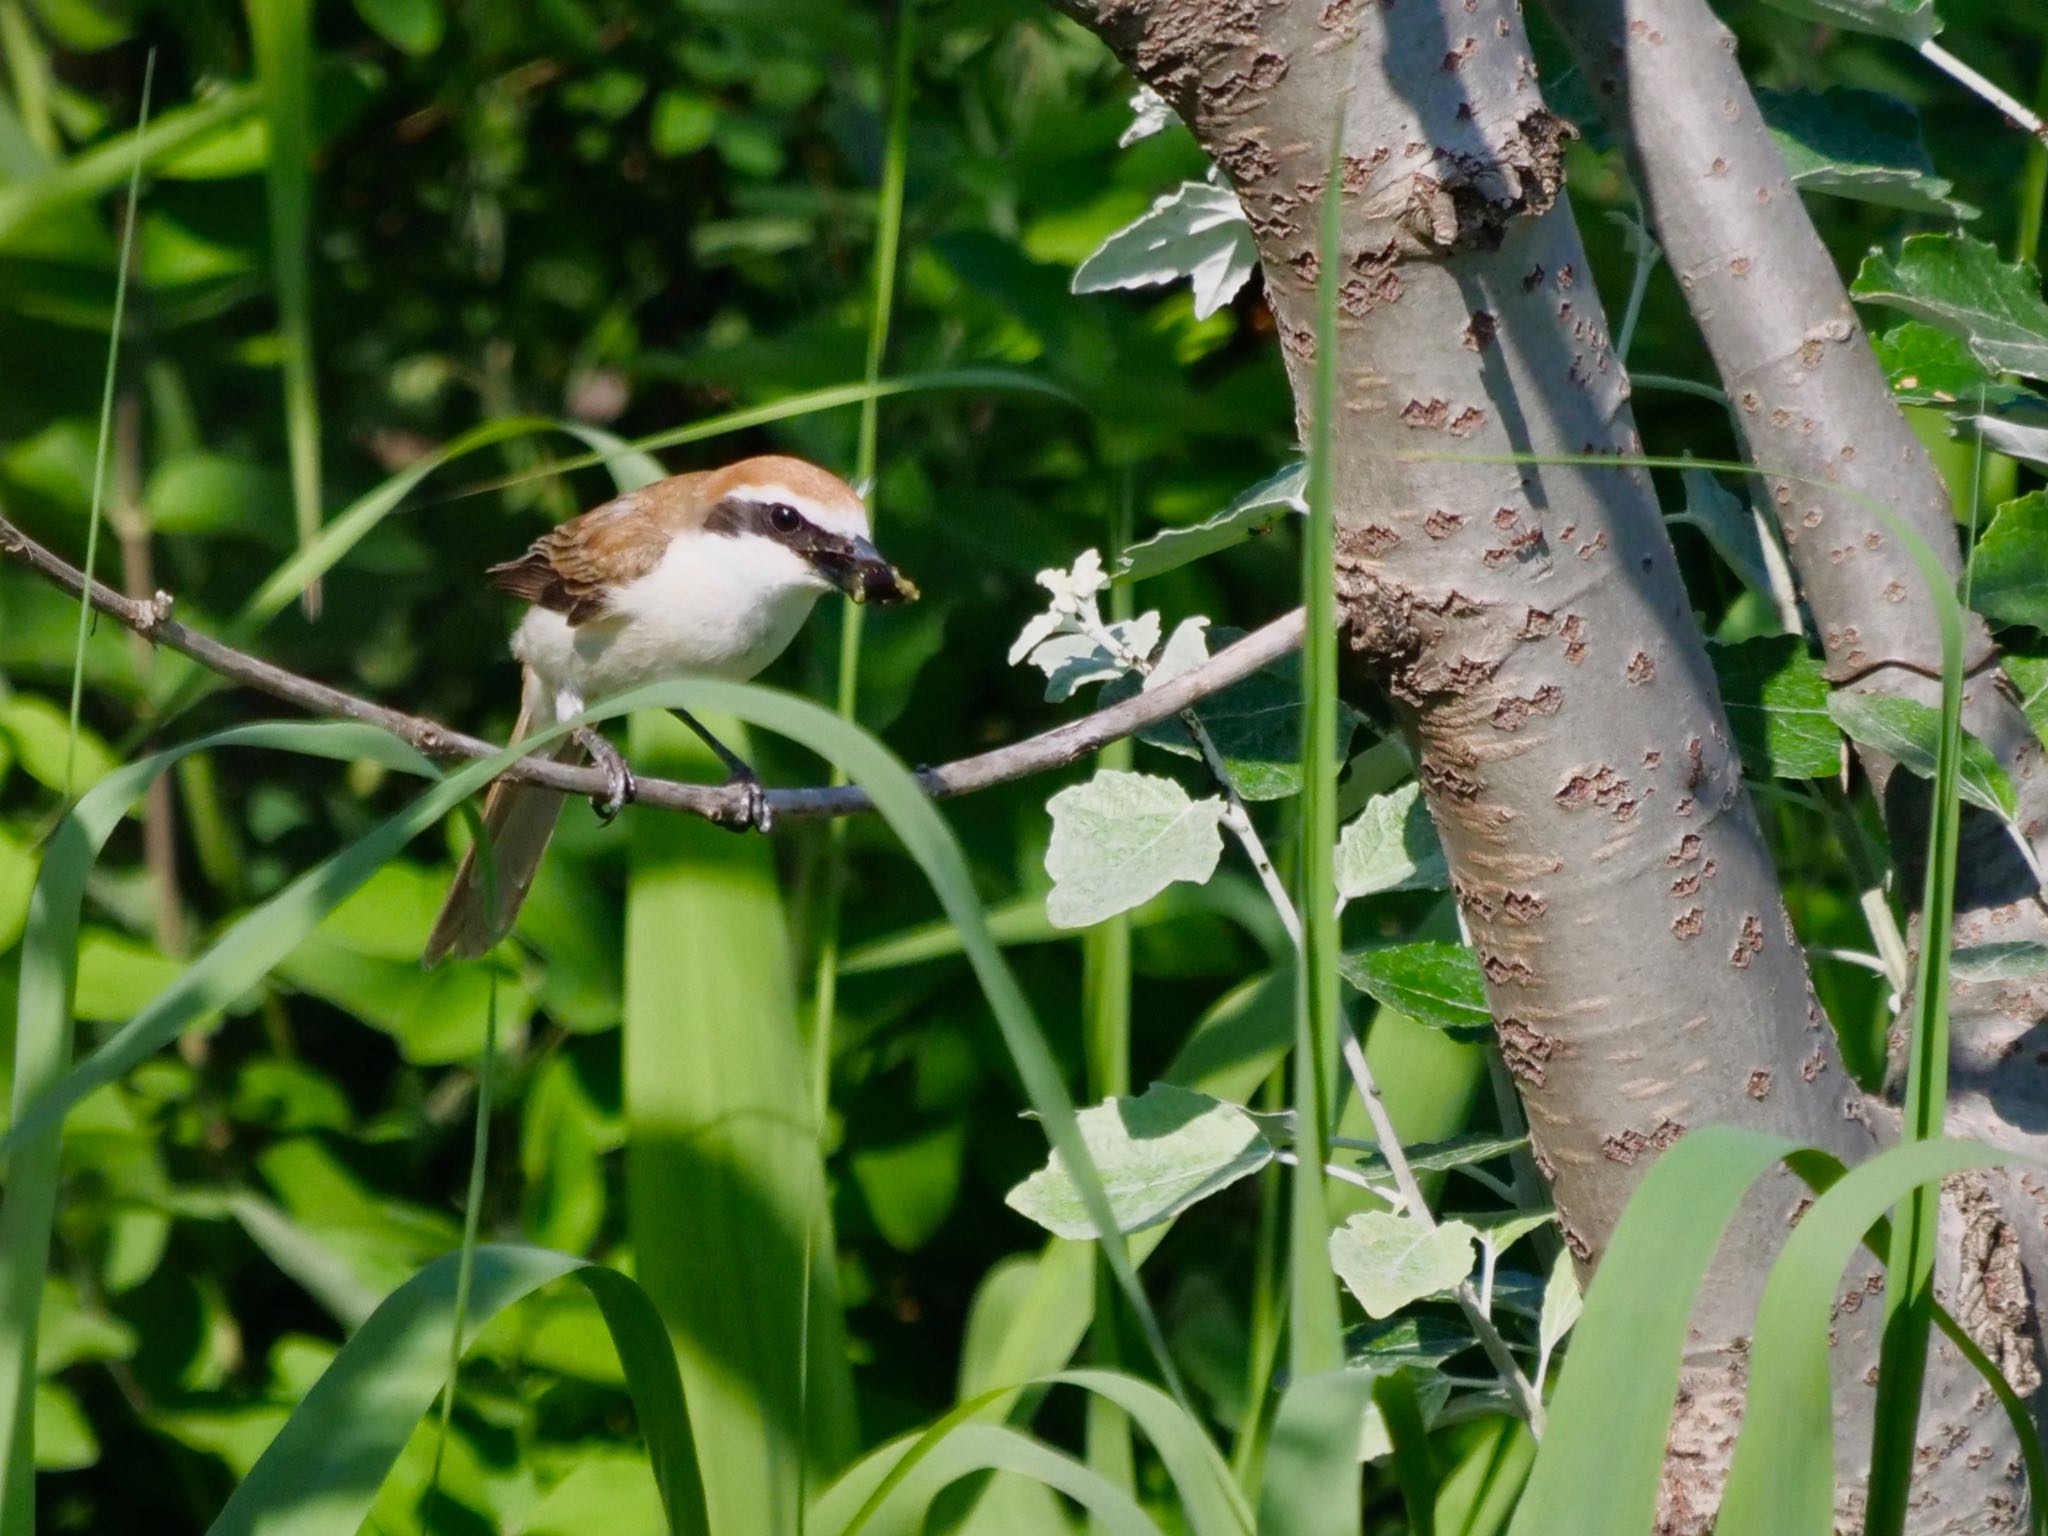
(784, 519)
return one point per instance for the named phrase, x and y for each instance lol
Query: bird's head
(812, 527)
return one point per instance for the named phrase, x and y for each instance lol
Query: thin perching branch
(726, 804)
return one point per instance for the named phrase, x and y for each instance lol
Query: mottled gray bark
(1810, 399)
(1529, 623)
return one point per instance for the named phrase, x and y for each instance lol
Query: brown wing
(577, 567)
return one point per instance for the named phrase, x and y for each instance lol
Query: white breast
(716, 606)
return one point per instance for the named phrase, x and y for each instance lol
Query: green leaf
(1442, 1156)
(64, 1438)
(1413, 1339)
(1563, 1305)
(682, 124)
(1730, 525)
(1777, 703)
(39, 734)
(1389, 1261)
(1255, 723)
(411, 26)
(17, 883)
(1904, 21)
(1858, 144)
(1157, 1154)
(69, 1330)
(1431, 982)
(1391, 845)
(2008, 578)
(1961, 285)
(1251, 512)
(910, 1186)
(1928, 366)
(1121, 839)
(2030, 675)
(203, 492)
(1910, 733)
(1500, 1230)
(2012, 438)
(1198, 231)
(2010, 960)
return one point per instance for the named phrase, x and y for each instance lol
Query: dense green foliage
(647, 217)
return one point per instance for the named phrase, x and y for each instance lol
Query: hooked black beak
(864, 575)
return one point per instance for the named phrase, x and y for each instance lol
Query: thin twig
(2014, 109)
(720, 803)
(1406, 1184)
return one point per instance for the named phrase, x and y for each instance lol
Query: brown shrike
(705, 575)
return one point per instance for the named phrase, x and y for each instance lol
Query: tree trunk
(1529, 623)
(1809, 398)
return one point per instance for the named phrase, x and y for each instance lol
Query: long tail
(518, 819)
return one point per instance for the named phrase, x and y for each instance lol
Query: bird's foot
(755, 814)
(620, 788)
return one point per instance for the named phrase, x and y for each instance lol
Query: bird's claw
(620, 788)
(755, 814)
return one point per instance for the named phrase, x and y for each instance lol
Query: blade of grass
(180, 683)
(270, 931)
(1208, 1497)
(923, 831)
(95, 171)
(320, 1476)
(1106, 1039)
(1315, 1345)
(260, 938)
(473, 1202)
(2033, 189)
(281, 32)
(1479, 1495)
(1608, 1419)
(888, 237)
(1312, 1485)
(104, 446)
(791, 406)
(1395, 1396)
(43, 1045)
(973, 1448)
(29, 69)
(718, 1104)
(1909, 1280)
(1782, 1478)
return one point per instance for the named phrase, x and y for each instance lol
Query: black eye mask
(854, 566)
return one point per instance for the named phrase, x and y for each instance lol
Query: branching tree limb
(1051, 749)
(1529, 624)
(1809, 397)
